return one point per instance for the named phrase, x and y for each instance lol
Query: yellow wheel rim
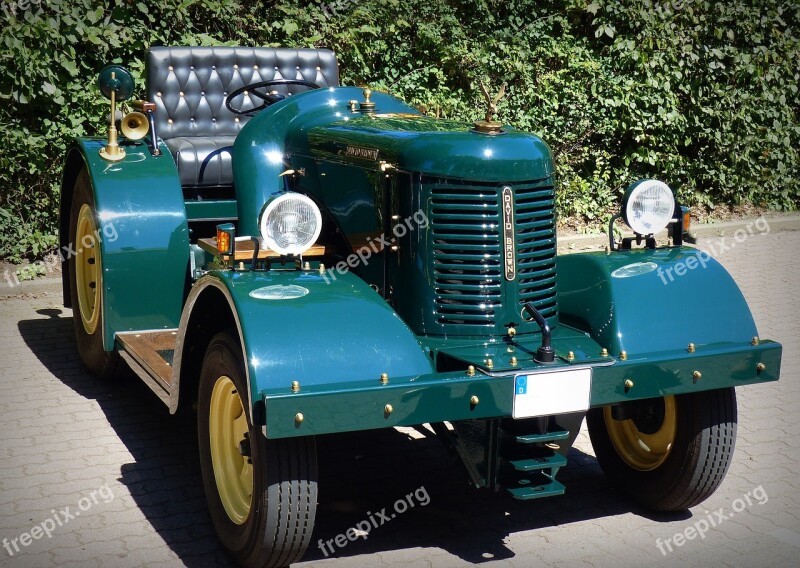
(88, 269)
(227, 427)
(641, 451)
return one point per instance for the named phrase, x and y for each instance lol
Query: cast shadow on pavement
(361, 473)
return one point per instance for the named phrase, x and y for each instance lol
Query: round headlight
(290, 223)
(648, 206)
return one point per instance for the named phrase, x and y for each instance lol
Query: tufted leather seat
(189, 86)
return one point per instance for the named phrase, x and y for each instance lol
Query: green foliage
(703, 95)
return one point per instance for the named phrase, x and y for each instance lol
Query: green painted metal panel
(649, 301)
(212, 209)
(437, 147)
(671, 372)
(318, 125)
(523, 347)
(338, 332)
(145, 245)
(360, 405)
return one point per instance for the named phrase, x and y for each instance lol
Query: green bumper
(407, 401)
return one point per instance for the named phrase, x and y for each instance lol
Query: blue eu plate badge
(521, 386)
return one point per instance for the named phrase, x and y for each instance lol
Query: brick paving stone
(63, 435)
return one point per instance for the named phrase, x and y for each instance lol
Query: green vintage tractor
(301, 258)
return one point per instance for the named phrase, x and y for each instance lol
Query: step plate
(537, 464)
(527, 492)
(543, 438)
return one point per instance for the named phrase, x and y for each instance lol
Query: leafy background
(703, 95)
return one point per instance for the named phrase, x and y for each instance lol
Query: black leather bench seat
(202, 160)
(189, 86)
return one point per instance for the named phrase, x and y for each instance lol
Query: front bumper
(437, 397)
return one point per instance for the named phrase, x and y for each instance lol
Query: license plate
(559, 392)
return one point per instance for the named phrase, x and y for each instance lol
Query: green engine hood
(433, 146)
(319, 126)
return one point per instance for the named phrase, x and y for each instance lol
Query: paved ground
(128, 471)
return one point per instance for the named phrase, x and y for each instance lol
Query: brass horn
(134, 125)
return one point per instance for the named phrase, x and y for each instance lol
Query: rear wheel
(86, 281)
(262, 494)
(668, 453)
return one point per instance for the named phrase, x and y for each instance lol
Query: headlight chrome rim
(270, 217)
(648, 218)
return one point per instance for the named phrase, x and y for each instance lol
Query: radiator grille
(466, 251)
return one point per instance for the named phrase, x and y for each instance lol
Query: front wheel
(262, 494)
(667, 453)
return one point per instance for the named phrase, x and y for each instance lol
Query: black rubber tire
(278, 528)
(705, 438)
(100, 363)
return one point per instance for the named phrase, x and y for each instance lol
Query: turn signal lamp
(226, 239)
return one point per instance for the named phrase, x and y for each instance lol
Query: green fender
(649, 301)
(338, 331)
(145, 237)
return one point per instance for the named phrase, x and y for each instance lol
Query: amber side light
(225, 239)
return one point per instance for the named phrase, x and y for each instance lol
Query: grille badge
(509, 256)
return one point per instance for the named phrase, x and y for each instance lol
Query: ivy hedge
(701, 94)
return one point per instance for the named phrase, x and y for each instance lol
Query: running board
(149, 355)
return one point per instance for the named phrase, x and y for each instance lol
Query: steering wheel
(267, 97)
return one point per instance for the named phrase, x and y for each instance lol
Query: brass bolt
(696, 376)
(628, 384)
(690, 348)
(512, 331)
(604, 352)
(755, 341)
(306, 265)
(474, 400)
(387, 410)
(384, 378)
(760, 367)
(571, 356)
(298, 418)
(623, 355)
(295, 386)
(489, 363)
(513, 361)
(321, 268)
(471, 371)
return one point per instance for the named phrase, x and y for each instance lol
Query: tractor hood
(432, 146)
(332, 125)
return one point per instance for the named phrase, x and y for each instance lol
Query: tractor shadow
(361, 474)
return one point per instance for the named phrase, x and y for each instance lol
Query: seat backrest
(189, 84)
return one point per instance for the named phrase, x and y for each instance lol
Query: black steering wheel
(268, 98)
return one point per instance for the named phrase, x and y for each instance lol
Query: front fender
(648, 301)
(338, 331)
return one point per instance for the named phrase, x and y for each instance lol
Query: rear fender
(144, 237)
